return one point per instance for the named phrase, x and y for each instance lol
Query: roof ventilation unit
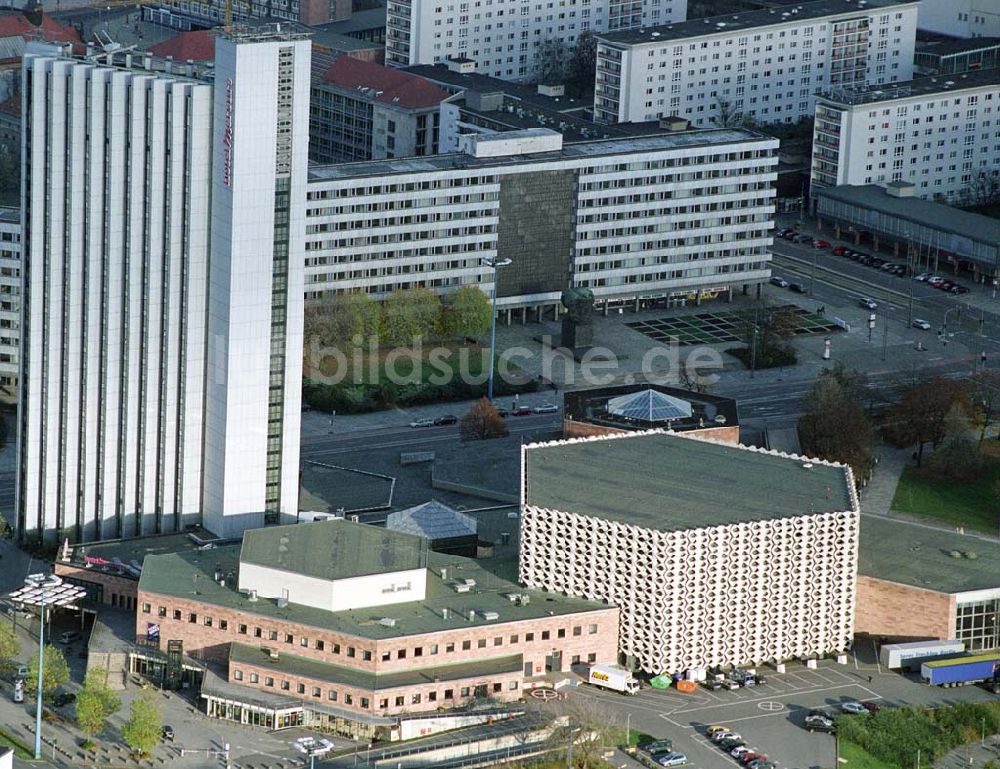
(387, 622)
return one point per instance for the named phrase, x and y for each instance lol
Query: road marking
(771, 705)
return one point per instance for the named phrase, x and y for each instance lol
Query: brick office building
(917, 582)
(345, 626)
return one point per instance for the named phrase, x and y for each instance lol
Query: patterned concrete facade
(744, 592)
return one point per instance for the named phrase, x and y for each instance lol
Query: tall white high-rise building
(137, 293)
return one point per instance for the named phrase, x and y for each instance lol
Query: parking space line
(764, 698)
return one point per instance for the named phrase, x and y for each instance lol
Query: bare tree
(727, 114)
(984, 392)
(551, 62)
(983, 190)
(592, 728)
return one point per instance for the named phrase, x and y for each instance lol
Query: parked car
(780, 233)
(720, 736)
(503, 413)
(945, 285)
(840, 251)
(868, 304)
(63, 698)
(19, 690)
(805, 239)
(820, 724)
(779, 282)
(716, 729)
(521, 411)
(672, 759)
(922, 324)
(759, 680)
(168, 733)
(853, 708)
(422, 423)
(958, 288)
(790, 234)
(923, 277)
(730, 743)
(819, 714)
(739, 752)
(70, 636)
(546, 408)
(876, 261)
(798, 288)
(872, 707)
(447, 419)
(746, 758)
(761, 763)
(820, 243)
(657, 746)
(22, 670)
(935, 281)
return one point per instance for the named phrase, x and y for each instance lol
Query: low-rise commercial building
(630, 408)
(346, 626)
(651, 216)
(942, 55)
(933, 235)
(941, 133)
(715, 554)
(765, 66)
(917, 582)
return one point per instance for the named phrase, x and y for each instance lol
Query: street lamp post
(45, 590)
(753, 351)
(493, 263)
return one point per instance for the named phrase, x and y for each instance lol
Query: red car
(746, 758)
(821, 244)
(521, 411)
(839, 250)
(871, 707)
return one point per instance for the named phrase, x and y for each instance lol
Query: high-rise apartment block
(510, 39)
(940, 133)
(162, 302)
(765, 66)
(673, 216)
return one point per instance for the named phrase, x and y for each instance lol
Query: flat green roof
(190, 575)
(964, 660)
(334, 549)
(916, 554)
(669, 482)
(292, 665)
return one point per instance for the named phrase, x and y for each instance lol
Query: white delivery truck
(912, 655)
(616, 679)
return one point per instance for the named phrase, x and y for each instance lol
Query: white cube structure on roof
(715, 554)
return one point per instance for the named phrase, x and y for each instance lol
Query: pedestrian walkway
(876, 496)
(974, 754)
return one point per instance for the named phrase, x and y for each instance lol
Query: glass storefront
(976, 624)
(254, 715)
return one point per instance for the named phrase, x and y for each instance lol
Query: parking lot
(770, 717)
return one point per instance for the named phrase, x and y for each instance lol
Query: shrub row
(349, 398)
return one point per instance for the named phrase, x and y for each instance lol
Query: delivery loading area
(769, 718)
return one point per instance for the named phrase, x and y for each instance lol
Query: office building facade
(942, 134)
(152, 276)
(677, 215)
(10, 301)
(509, 39)
(761, 66)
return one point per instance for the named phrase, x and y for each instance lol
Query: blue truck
(959, 671)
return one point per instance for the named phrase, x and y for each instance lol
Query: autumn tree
(927, 413)
(984, 394)
(96, 703)
(835, 426)
(482, 423)
(467, 312)
(343, 319)
(409, 315)
(55, 670)
(551, 61)
(144, 727)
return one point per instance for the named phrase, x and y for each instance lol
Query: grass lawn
(20, 750)
(859, 758)
(972, 504)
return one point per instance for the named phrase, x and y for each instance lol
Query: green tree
(10, 646)
(55, 672)
(928, 413)
(835, 427)
(409, 315)
(482, 423)
(466, 313)
(339, 320)
(582, 68)
(96, 703)
(144, 727)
